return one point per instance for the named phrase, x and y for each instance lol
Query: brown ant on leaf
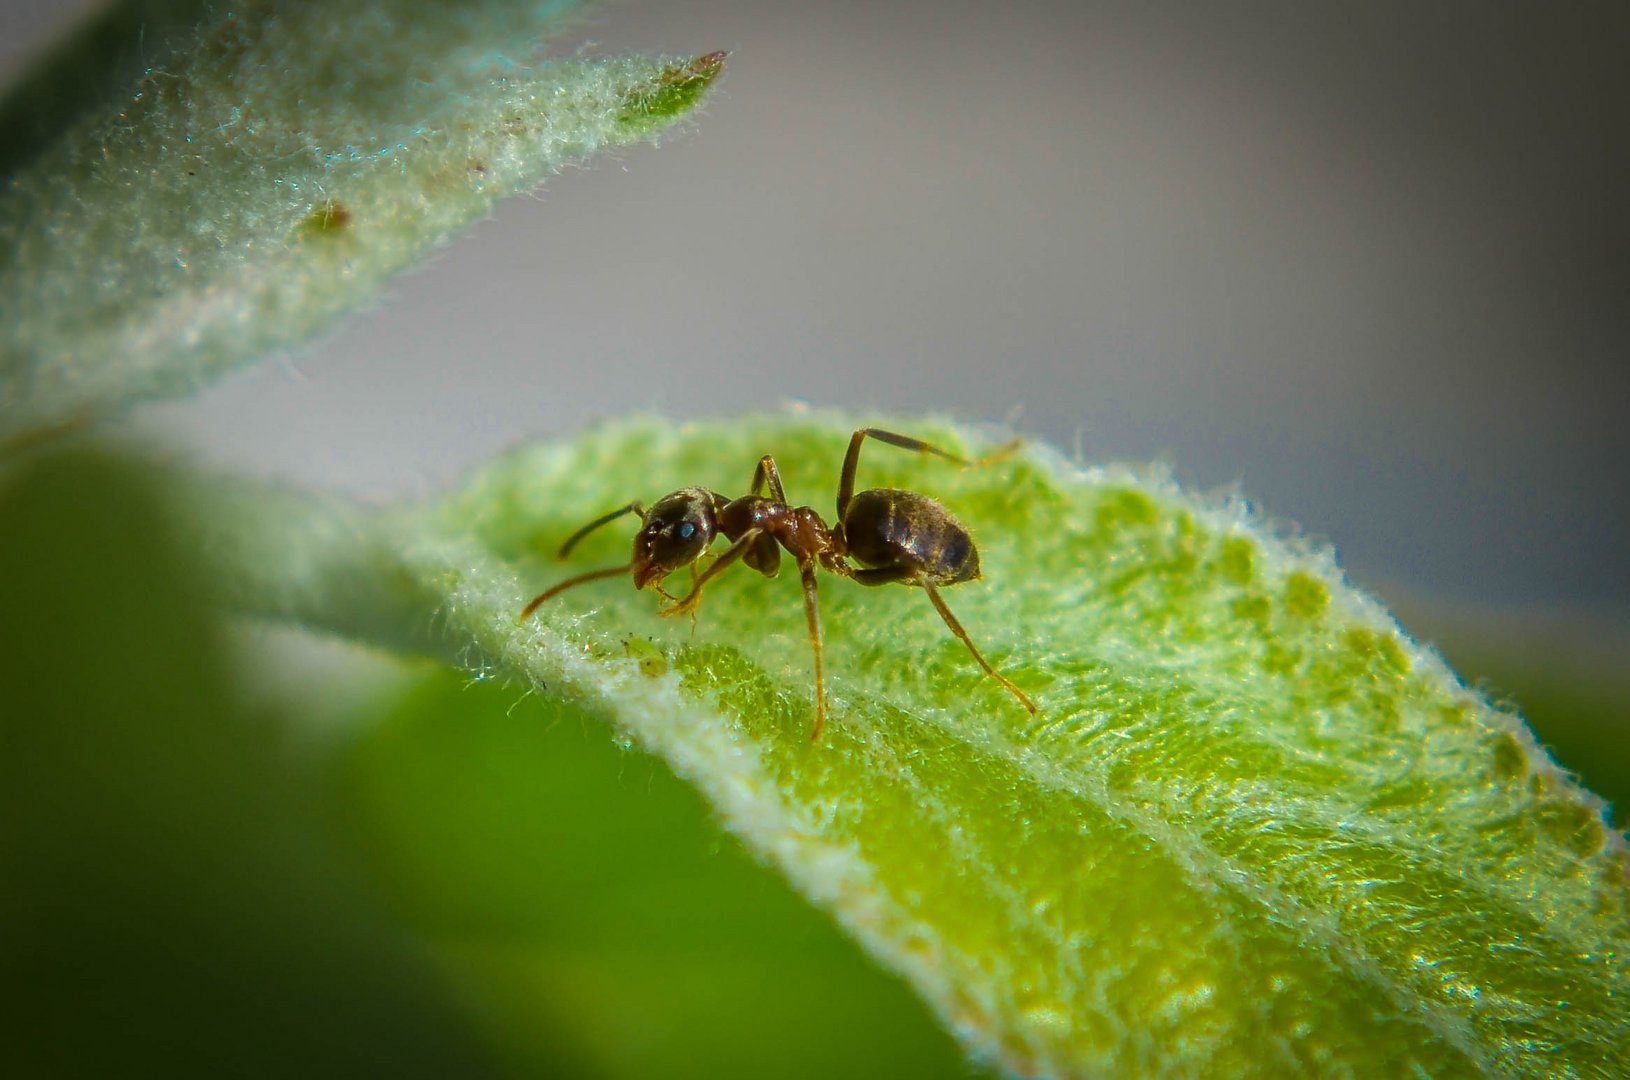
(894, 536)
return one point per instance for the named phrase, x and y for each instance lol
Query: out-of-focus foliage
(585, 901)
(269, 171)
(171, 901)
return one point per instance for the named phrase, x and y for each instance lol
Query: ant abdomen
(886, 528)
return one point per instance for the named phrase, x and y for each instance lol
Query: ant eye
(686, 530)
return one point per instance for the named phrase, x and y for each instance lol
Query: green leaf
(273, 172)
(1253, 831)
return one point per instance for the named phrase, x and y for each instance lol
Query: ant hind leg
(962, 635)
(851, 459)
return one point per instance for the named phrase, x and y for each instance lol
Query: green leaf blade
(1254, 829)
(274, 174)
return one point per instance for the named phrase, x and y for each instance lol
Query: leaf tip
(671, 94)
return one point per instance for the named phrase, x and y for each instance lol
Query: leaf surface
(1254, 829)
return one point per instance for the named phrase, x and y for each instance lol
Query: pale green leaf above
(272, 173)
(1254, 831)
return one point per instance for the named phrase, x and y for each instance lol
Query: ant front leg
(686, 605)
(673, 600)
(695, 578)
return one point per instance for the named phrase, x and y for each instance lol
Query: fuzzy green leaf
(273, 173)
(1254, 831)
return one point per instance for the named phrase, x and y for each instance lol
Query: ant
(894, 536)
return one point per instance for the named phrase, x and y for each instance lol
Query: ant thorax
(750, 512)
(798, 529)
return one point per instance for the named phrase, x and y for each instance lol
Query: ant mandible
(895, 536)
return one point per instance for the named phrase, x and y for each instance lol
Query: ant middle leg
(882, 575)
(851, 459)
(768, 474)
(812, 618)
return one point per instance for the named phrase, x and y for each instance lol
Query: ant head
(677, 529)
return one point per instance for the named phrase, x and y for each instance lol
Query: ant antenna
(571, 541)
(571, 582)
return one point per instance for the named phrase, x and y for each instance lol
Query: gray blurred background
(1367, 262)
